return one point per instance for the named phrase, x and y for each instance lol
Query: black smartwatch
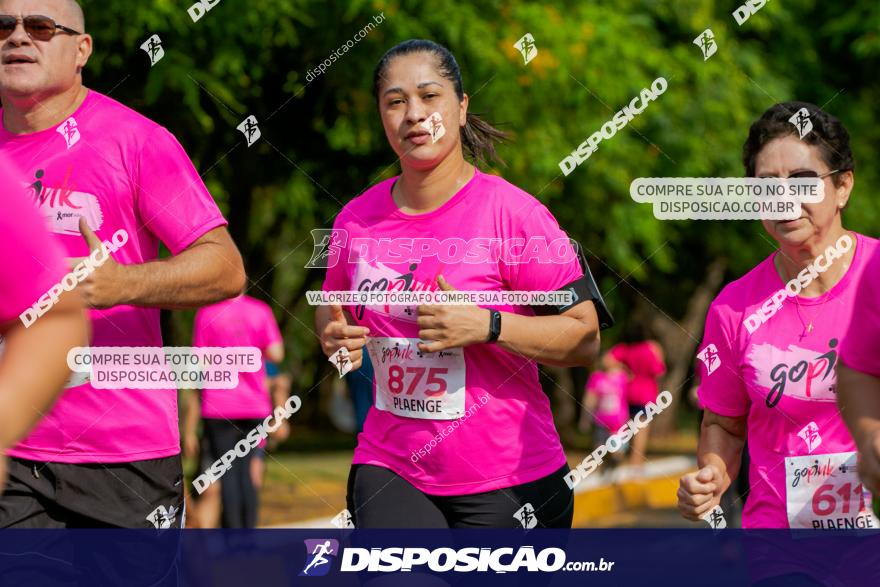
(494, 325)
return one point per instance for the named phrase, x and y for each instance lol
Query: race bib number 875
(413, 384)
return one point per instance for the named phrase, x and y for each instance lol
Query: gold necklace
(808, 328)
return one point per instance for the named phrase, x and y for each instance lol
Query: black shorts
(379, 498)
(140, 494)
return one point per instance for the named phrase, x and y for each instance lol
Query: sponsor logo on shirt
(62, 206)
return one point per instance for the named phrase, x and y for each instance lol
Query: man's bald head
(75, 15)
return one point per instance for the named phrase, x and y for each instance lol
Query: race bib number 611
(413, 384)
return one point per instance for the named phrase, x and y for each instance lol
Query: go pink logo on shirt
(797, 372)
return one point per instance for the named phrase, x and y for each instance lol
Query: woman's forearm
(559, 341)
(722, 449)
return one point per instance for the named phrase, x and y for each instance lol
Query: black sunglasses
(38, 28)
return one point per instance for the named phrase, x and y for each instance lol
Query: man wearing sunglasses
(104, 457)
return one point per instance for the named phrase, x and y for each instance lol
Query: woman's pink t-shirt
(473, 419)
(612, 411)
(119, 170)
(241, 321)
(783, 380)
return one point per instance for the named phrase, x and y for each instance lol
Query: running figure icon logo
(162, 518)
(526, 46)
(710, 358)
(801, 121)
(319, 555)
(526, 516)
(706, 42)
(153, 49)
(327, 248)
(343, 520)
(434, 125)
(70, 131)
(341, 359)
(810, 434)
(715, 518)
(250, 130)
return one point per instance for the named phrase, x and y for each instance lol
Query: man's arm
(208, 271)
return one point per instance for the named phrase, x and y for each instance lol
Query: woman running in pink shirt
(461, 434)
(771, 344)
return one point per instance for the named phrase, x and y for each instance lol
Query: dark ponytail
(478, 137)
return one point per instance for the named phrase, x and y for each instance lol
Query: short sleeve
(32, 257)
(722, 388)
(269, 331)
(172, 200)
(560, 266)
(859, 344)
(336, 245)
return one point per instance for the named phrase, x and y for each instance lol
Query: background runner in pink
(240, 321)
(120, 171)
(645, 364)
(610, 390)
(511, 439)
(777, 364)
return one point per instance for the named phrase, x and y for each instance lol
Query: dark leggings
(237, 490)
(379, 498)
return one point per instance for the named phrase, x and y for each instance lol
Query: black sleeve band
(583, 289)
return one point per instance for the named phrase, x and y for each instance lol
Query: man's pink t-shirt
(645, 366)
(240, 321)
(782, 378)
(120, 171)
(612, 411)
(484, 404)
(33, 262)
